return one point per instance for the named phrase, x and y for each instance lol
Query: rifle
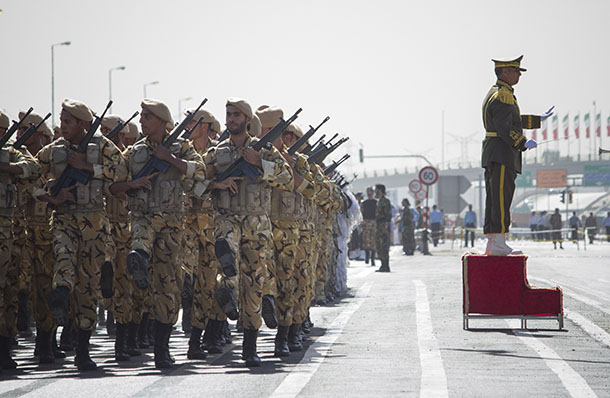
(319, 156)
(336, 164)
(155, 164)
(120, 126)
(309, 147)
(188, 133)
(241, 167)
(299, 143)
(321, 145)
(72, 175)
(28, 133)
(9, 133)
(225, 134)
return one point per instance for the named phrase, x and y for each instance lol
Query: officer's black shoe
(22, 312)
(65, 339)
(162, 357)
(137, 265)
(281, 342)
(45, 352)
(106, 278)
(226, 300)
(195, 351)
(6, 362)
(110, 324)
(120, 343)
(294, 342)
(143, 332)
(249, 348)
(57, 352)
(225, 257)
(132, 340)
(210, 337)
(59, 304)
(82, 359)
(268, 311)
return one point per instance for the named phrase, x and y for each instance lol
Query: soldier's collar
(502, 83)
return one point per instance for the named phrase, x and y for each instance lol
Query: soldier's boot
(385, 266)
(281, 342)
(137, 265)
(294, 342)
(59, 304)
(101, 314)
(210, 337)
(106, 279)
(57, 352)
(152, 324)
(45, 352)
(65, 339)
(225, 257)
(268, 311)
(226, 301)
(6, 361)
(143, 332)
(82, 360)
(367, 254)
(110, 324)
(162, 332)
(132, 340)
(22, 312)
(120, 343)
(187, 315)
(249, 348)
(226, 332)
(372, 258)
(195, 351)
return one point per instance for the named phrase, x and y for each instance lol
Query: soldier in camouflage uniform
(383, 216)
(157, 217)
(243, 229)
(14, 165)
(79, 221)
(407, 232)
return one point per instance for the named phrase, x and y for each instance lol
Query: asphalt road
(397, 334)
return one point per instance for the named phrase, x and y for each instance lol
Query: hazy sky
(383, 70)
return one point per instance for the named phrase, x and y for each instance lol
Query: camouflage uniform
(383, 216)
(407, 234)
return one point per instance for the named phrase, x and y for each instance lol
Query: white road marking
(300, 375)
(433, 378)
(589, 327)
(363, 273)
(571, 380)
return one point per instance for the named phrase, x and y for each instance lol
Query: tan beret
(269, 115)
(242, 105)
(294, 128)
(4, 120)
(159, 109)
(77, 109)
(207, 115)
(111, 121)
(216, 126)
(34, 118)
(133, 131)
(255, 127)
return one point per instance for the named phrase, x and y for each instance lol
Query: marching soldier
(383, 216)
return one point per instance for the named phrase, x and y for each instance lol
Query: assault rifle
(155, 164)
(120, 126)
(9, 133)
(319, 154)
(299, 143)
(225, 134)
(241, 167)
(28, 133)
(309, 147)
(329, 169)
(188, 133)
(72, 175)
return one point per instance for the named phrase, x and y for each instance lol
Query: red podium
(496, 287)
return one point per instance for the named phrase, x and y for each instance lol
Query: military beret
(216, 126)
(242, 105)
(34, 118)
(515, 63)
(111, 121)
(4, 120)
(77, 109)
(133, 130)
(159, 109)
(207, 115)
(294, 128)
(269, 115)
(255, 127)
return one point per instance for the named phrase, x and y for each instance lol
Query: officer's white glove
(547, 114)
(530, 144)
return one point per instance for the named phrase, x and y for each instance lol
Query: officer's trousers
(499, 188)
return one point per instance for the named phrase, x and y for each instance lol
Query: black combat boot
(372, 258)
(281, 342)
(151, 331)
(132, 340)
(22, 312)
(137, 265)
(143, 332)
(226, 332)
(195, 351)
(226, 301)
(59, 304)
(120, 343)
(110, 324)
(65, 340)
(6, 361)
(45, 352)
(385, 266)
(106, 279)
(367, 254)
(210, 337)
(268, 311)
(162, 333)
(57, 352)
(225, 257)
(249, 348)
(294, 342)
(82, 360)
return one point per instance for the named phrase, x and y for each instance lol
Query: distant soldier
(408, 228)
(383, 216)
(368, 207)
(591, 227)
(556, 223)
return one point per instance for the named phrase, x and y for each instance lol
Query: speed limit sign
(421, 195)
(415, 186)
(428, 175)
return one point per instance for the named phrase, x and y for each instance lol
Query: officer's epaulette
(505, 96)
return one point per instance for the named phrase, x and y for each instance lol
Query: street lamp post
(65, 43)
(110, 84)
(149, 84)
(180, 106)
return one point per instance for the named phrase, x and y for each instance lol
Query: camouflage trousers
(382, 240)
(407, 238)
(160, 235)
(368, 234)
(6, 245)
(285, 241)
(270, 283)
(79, 246)
(316, 245)
(302, 273)
(324, 256)
(40, 249)
(15, 280)
(248, 237)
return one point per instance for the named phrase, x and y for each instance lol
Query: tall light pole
(65, 43)
(110, 84)
(180, 101)
(149, 84)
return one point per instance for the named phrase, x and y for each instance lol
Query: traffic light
(570, 197)
(563, 197)
(361, 155)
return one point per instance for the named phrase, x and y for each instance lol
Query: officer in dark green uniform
(504, 142)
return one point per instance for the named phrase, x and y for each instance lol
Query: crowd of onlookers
(546, 226)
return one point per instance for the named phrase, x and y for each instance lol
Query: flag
(544, 131)
(587, 126)
(534, 131)
(577, 125)
(555, 127)
(598, 124)
(566, 126)
(608, 125)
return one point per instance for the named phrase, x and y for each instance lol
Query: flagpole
(579, 151)
(594, 139)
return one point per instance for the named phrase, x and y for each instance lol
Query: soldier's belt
(491, 134)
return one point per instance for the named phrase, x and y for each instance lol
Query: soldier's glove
(547, 114)
(530, 144)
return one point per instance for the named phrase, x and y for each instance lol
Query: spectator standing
(470, 222)
(606, 223)
(574, 223)
(436, 220)
(533, 224)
